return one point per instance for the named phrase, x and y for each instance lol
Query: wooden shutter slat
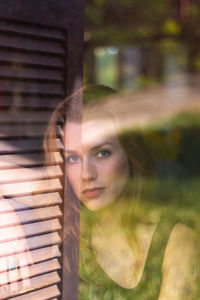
(27, 188)
(36, 283)
(29, 102)
(22, 131)
(30, 30)
(34, 87)
(27, 174)
(17, 232)
(24, 160)
(25, 117)
(38, 255)
(35, 242)
(30, 73)
(20, 146)
(46, 253)
(8, 205)
(25, 44)
(46, 294)
(33, 270)
(27, 130)
(43, 240)
(30, 59)
(30, 215)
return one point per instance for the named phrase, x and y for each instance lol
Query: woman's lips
(92, 193)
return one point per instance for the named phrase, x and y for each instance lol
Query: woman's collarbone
(121, 260)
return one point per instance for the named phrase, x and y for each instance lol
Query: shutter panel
(32, 83)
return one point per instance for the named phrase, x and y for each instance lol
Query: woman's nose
(89, 171)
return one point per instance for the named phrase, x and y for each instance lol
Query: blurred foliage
(171, 27)
(184, 120)
(123, 21)
(187, 119)
(141, 18)
(96, 94)
(177, 142)
(194, 12)
(163, 145)
(145, 82)
(107, 67)
(197, 61)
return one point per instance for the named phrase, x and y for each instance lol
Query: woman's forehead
(90, 133)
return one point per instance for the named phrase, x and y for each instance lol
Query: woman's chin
(96, 204)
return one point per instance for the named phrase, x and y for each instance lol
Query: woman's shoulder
(182, 246)
(182, 235)
(181, 263)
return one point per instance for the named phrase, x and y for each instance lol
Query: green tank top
(95, 284)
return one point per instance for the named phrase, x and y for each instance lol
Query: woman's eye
(73, 159)
(103, 153)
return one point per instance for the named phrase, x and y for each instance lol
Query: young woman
(128, 248)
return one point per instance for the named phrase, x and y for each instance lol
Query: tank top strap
(152, 274)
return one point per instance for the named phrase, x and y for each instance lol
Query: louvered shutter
(34, 72)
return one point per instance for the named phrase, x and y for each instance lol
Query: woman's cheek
(118, 170)
(116, 166)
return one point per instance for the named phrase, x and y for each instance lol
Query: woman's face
(96, 164)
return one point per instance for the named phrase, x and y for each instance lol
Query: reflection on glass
(139, 211)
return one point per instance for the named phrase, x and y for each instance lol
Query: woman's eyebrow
(70, 151)
(102, 145)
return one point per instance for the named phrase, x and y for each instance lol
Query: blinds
(32, 83)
